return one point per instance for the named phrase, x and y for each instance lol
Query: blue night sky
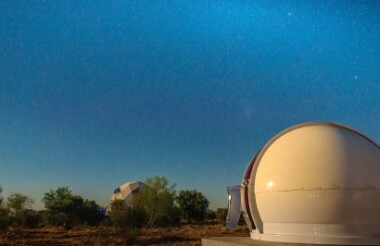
(94, 94)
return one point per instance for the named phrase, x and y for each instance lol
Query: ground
(181, 235)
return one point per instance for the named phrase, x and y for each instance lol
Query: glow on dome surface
(312, 183)
(126, 192)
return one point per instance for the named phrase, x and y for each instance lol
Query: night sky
(96, 93)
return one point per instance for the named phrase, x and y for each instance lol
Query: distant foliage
(5, 219)
(127, 217)
(18, 202)
(1, 196)
(155, 206)
(64, 207)
(33, 218)
(90, 213)
(158, 202)
(193, 205)
(210, 215)
(19, 208)
(15, 211)
(221, 215)
(68, 209)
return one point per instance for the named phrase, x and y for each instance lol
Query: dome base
(315, 239)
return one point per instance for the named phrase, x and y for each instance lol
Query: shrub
(32, 219)
(91, 213)
(157, 201)
(193, 205)
(18, 205)
(68, 209)
(126, 217)
(221, 215)
(5, 220)
(210, 215)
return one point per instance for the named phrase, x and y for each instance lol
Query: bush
(125, 217)
(157, 201)
(91, 213)
(221, 215)
(46, 217)
(193, 205)
(32, 219)
(210, 215)
(68, 209)
(5, 219)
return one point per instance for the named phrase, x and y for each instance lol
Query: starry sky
(94, 94)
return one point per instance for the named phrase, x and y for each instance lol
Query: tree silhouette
(193, 205)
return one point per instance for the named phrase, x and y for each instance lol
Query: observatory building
(126, 192)
(315, 183)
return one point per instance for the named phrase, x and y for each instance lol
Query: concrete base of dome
(227, 241)
(312, 240)
(246, 241)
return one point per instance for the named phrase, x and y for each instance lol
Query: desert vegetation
(157, 215)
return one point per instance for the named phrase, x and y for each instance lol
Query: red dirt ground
(181, 235)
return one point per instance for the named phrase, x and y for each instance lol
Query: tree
(124, 216)
(18, 205)
(18, 202)
(127, 219)
(5, 219)
(210, 215)
(1, 197)
(68, 209)
(193, 205)
(90, 213)
(221, 215)
(64, 206)
(157, 200)
(32, 218)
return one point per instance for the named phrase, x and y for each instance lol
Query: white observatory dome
(315, 183)
(126, 192)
